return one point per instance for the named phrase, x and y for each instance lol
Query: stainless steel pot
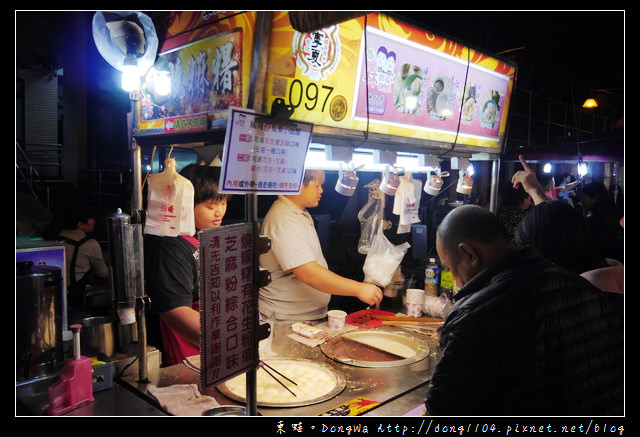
(97, 336)
(39, 346)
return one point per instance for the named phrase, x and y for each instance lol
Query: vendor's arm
(323, 279)
(527, 178)
(184, 321)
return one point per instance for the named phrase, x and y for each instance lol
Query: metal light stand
(144, 302)
(261, 244)
(142, 305)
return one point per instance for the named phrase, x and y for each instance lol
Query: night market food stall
(271, 94)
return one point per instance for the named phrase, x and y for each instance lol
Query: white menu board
(228, 314)
(263, 155)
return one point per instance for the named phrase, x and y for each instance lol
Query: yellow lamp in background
(590, 103)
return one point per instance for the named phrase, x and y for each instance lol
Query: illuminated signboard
(208, 56)
(412, 86)
(399, 80)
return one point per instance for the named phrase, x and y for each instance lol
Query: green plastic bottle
(447, 283)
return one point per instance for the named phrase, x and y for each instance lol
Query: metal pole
(142, 302)
(136, 157)
(252, 377)
(493, 198)
(255, 100)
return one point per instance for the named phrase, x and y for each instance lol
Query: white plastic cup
(336, 319)
(414, 309)
(415, 295)
(415, 302)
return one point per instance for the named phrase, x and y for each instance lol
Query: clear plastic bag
(369, 222)
(437, 306)
(370, 217)
(383, 259)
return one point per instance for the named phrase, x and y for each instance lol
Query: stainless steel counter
(119, 400)
(397, 389)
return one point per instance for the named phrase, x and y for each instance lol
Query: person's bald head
(469, 239)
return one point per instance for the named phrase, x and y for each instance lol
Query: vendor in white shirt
(301, 283)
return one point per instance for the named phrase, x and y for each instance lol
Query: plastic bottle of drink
(431, 278)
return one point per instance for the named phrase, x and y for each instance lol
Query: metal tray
(313, 365)
(350, 348)
(227, 410)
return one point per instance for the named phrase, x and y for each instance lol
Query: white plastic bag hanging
(169, 203)
(383, 259)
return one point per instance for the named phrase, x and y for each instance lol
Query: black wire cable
(464, 87)
(442, 190)
(366, 81)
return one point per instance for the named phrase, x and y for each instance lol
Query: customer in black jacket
(525, 337)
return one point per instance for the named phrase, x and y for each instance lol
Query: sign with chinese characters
(381, 75)
(186, 123)
(208, 57)
(228, 314)
(263, 155)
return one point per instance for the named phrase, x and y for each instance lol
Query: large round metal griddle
(379, 347)
(301, 399)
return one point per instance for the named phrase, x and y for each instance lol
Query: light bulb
(582, 169)
(130, 78)
(465, 183)
(390, 183)
(433, 185)
(470, 170)
(347, 180)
